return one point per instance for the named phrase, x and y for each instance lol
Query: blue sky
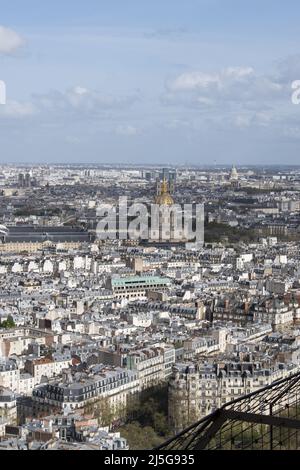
(182, 81)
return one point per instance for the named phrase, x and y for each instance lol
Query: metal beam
(197, 433)
(286, 389)
(279, 421)
(193, 429)
(213, 429)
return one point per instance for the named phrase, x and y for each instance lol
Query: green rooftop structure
(137, 286)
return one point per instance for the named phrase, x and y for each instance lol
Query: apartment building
(47, 367)
(114, 383)
(8, 406)
(9, 375)
(149, 365)
(16, 340)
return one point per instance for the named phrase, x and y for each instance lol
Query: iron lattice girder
(269, 420)
(257, 408)
(199, 442)
(202, 442)
(225, 415)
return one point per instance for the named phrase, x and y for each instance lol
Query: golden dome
(164, 198)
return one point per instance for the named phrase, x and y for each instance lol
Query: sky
(161, 81)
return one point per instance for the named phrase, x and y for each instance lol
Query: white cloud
(193, 81)
(74, 105)
(81, 100)
(17, 109)
(242, 121)
(127, 130)
(203, 81)
(70, 139)
(292, 132)
(79, 90)
(176, 124)
(288, 69)
(229, 86)
(9, 40)
(232, 98)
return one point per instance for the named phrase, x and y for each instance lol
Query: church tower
(164, 229)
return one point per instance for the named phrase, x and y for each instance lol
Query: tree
(140, 438)
(9, 323)
(147, 419)
(104, 411)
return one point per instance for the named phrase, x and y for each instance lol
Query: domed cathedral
(163, 225)
(164, 197)
(170, 223)
(234, 177)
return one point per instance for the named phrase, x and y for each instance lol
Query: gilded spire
(164, 198)
(164, 187)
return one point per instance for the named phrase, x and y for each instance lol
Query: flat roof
(140, 280)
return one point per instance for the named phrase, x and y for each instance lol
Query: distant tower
(168, 175)
(234, 176)
(21, 180)
(27, 180)
(165, 216)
